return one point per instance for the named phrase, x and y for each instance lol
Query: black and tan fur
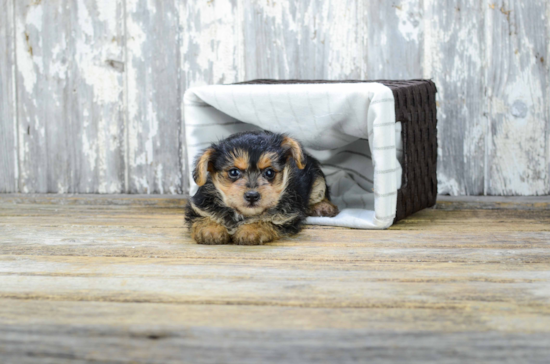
(255, 187)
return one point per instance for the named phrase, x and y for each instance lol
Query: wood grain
(493, 202)
(154, 97)
(517, 87)
(204, 344)
(305, 40)
(8, 120)
(454, 49)
(83, 282)
(395, 40)
(96, 99)
(212, 47)
(69, 89)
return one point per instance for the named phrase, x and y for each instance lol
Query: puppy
(255, 187)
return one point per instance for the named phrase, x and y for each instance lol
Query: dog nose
(251, 196)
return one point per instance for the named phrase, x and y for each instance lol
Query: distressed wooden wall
(90, 90)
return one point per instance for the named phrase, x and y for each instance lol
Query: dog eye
(234, 173)
(269, 173)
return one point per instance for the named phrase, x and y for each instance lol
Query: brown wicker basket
(415, 108)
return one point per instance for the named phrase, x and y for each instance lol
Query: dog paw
(255, 234)
(209, 232)
(324, 208)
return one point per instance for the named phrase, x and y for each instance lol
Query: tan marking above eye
(240, 159)
(266, 160)
(241, 163)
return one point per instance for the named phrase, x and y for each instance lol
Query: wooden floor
(118, 280)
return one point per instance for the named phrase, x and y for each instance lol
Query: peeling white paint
(151, 7)
(25, 63)
(504, 128)
(95, 71)
(141, 184)
(107, 10)
(58, 67)
(343, 60)
(104, 81)
(409, 20)
(34, 16)
(13, 32)
(430, 50)
(547, 102)
(448, 186)
(279, 14)
(159, 178)
(461, 102)
(519, 164)
(89, 149)
(218, 41)
(85, 23)
(136, 38)
(517, 148)
(61, 188)
(24, 155)
(153, 122)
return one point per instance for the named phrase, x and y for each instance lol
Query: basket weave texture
(415, 108)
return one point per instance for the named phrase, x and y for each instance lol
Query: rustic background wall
(91, 90)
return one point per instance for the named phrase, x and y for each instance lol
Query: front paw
(206, 231)
(324, 208)
(255, 234)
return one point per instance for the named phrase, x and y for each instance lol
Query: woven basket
(415, 108)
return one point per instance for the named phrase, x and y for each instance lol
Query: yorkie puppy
(255, 187)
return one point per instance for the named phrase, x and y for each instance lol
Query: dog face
(250, 170)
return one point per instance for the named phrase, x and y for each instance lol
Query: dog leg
(207, 231)
(324, 208)
(318, 190)
(319, 205)
(255, 234)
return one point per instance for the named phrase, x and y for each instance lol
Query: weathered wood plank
(159, 246)
(430, 219)
(305, 40)
(162, 241)
(84, 283)
(211, 49)
(547, 101)
(137, 317)
(8, 121)
(59, 344)
(36, 332)
(443, 202)
(69, 87)
(341, 285)
(154, 97)
(212, 45)
(395, 39)
(94, 199)
(504, 237)
(454, 58)
(493, 203)
(273, 39)
(74, 141)
(517, 86)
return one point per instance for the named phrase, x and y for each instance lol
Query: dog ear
(203, 165)
(293, 147)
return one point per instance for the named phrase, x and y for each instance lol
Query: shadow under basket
(410, 103)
